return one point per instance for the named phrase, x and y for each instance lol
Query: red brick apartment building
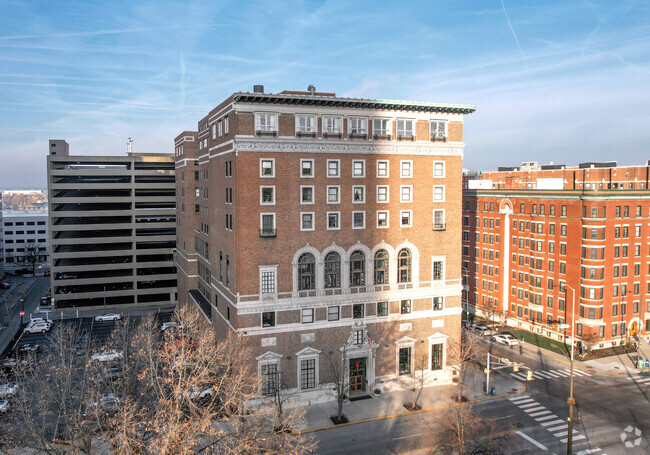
(532, 235)
(313, 224)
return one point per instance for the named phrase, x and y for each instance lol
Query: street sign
(22, 313)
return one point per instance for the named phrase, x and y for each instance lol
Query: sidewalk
(616, 365)
(391, 404)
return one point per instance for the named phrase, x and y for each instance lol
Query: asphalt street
(613, 410)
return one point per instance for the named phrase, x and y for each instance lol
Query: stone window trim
(338, 221)
(383, 216)
(380, 164)
(435, 259)
(406, 169)
(438, 193)
(313, 221)
(363, 169)
(262, 188)
(380, 190)
(363, 194)
(409, 193)
(313, 195)
(302, 174)
(437, 338)
(268, 358)
(406, 214)
(338, 193)
(265, 269)
(363, 214)
(404, 342)
(263, 162)
(439, 168)
(337, 167)
(308, 353)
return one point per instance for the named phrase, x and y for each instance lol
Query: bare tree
(414, 382)
(341, 380)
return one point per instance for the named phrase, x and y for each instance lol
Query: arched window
(333, 270)
(306, 275)
(404, 266)
(381, 267)
(358, 269)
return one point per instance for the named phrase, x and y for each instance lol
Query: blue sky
(563, 81)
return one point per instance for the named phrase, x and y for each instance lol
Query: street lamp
(571, 401)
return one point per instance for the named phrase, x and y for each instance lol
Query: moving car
(482, 330)
(8, 390)
(170, 325)
(506, 338)
(37, 327)
(107, 356)
(108, 317)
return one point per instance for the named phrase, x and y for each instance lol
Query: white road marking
(560, 434)
(538, 408)
(552, 373)
(527, 405)
(558, 427)
(532, 441)
(541, 419)
(554, 422)
(504, 417)
(540, 413)
(562, 373)
(521, 397)
(409, 436)
(519, 376)
(527, 400)
(580, 372)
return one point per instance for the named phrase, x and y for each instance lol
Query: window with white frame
(307, 315)
(358, 168)
(382, 219)
(332, 125)
(307, 374)
(226, 125)
(382, 194)
(438, 129)
(268, 280)
(381, 127)
(358, 194)
(266, 122)
(439, 219)
(333, 221)
(405, 128)
(358, 220)
(358, 125)
(333, 313)
(438, 303)
(214, 131)
(306, 169)
(406, 218)
(438, 269)
(270, 378)
(307, 194)
(306, 124)
(404, 360)
(267, 195)
(333, 194)
(382, 169)
(268, 319)
(220, 128)
(267, 224)
(267, 167)
(333, 168)
(437, 356)
(438, 169)
(406, 193)
(438, 193)
(307, 221)
(406, 168)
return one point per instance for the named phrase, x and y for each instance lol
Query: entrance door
(634, 329)
(358, 375)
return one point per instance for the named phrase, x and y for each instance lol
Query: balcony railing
(439, 227)
(267, 232)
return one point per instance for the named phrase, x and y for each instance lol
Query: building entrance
(358, 375)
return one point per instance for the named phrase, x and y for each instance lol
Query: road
(537, 420)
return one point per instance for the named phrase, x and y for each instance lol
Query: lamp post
(571, 401)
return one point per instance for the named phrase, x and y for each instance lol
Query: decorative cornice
(253, 145)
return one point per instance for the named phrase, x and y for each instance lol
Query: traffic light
(515, 367)
(529, 375)
(485, 370)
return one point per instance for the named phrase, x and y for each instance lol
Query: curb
(408, 413)
(582, 368)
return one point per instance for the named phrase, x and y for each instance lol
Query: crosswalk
(640, 379)
(550, 374)
(552, 423)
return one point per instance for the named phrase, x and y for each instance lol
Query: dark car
(27, 349)
(5, 285)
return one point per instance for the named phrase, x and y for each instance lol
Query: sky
(553, 81)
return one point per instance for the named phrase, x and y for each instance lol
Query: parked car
(171, 325)
(4, 407)
(38, 327)
(465, 324)
(5, 285)
(107, 356)
(108, 317)
(194, 393)
(506, 338)
(8, 364)
(8, 390)
(27, 349)
(482, 330)
(112, 372)
(44, 320)
(107, 403)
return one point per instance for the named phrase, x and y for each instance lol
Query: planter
(376, 392)
(336, 421)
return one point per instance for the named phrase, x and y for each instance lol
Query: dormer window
(266, 123)
(438, 130)
(405, 129)
(306, 124)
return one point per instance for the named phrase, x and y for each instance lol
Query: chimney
(311, 89)
(258, 89)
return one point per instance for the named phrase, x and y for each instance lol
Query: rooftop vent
(258, 89)
(311, 89)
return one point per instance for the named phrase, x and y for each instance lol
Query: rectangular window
(437, 129)
(438, 270)
(266, 123)
(333, 196)
(406, 170)
(405, 128)
(267, 222)
(438, 303)
(332, 125)
(438, 193)
(405, 307)
(382, 169)
(381, 127)
(226, 125)
(220, 128)
(307, 315)
(358, 194)
(436, 356)
(358, 168)
(306, 194)
(358, 220)
(333, 313)
(382, 308)
(267, 168)
(333, 168)
(268, 319)
(404, 361)
(405, 218)
(268, 282)
(438, 169)
(358, 311)
(382, 219)
(307, 221)
(269, 376)
(306, 168)
(267, 195)
(382, 194)
(439, 220)
(307, 374)
(358, 125)
(306, 124)
(406, 193)
(333, 221)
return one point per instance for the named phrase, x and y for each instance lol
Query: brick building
(311, 224)
(533, 234)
